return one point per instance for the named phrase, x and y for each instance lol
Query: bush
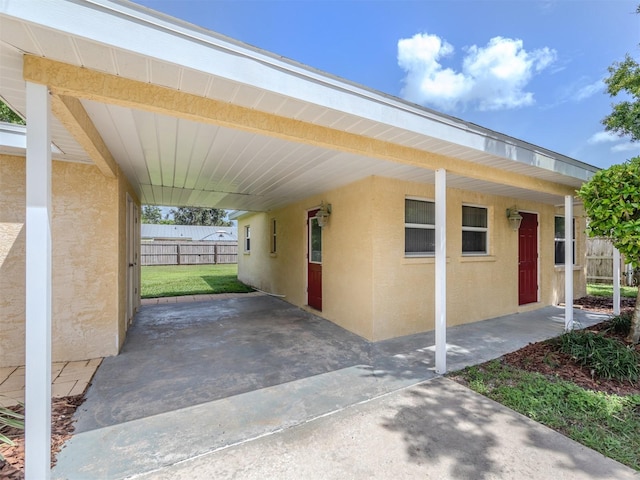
(9, 420)
(607, 357)
(621, 324)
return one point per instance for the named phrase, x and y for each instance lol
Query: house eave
(126, 26)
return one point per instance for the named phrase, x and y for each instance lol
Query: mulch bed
(62, 410)
(543, 357)
(603, 304)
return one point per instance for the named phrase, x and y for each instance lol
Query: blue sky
(526, 68)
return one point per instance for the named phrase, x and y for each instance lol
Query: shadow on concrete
(470, 436)
(434, 432)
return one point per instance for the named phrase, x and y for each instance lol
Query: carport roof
(195, 118)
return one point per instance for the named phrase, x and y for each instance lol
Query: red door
(528, 259)
(314, 262)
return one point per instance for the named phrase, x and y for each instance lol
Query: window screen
(474, 230)
(419, 227)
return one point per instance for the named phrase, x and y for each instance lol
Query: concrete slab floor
(197, 377)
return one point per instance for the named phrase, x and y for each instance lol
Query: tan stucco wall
(86, 262)
(371, 288)
(347, 255)
(12, 254)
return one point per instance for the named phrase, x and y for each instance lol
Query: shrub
(620, 324)
(607, 357)
(9, 420)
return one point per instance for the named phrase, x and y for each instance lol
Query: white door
(133, 268)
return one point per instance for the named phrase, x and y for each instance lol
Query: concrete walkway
(435, 430)
(320, 401)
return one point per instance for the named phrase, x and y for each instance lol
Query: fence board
(188, 253)
(600, 262)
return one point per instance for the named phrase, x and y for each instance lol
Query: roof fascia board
(65, 79)
(136, 29)
(13, 135)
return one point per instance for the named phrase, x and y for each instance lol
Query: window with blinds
(474, 230)
(419, 227)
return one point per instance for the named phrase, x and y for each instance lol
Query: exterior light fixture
(514, 217)
(323, 214)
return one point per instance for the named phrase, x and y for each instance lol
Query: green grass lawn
(177, 280)
(601, 290)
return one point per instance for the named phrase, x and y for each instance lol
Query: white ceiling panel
(132, 65)
(18, 35)
(194, 82)
(95, 56)
(164, 74)
(55, 45)
(221, 89)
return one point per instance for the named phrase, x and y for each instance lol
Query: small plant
(9, 420)
(620, 324)
(606, 357)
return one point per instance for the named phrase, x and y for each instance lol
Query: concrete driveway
(252, 387)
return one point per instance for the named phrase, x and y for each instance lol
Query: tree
(151, 214)
(625, 117)
(200, 216)
(612, 197)
(612, 202)
(8, 115)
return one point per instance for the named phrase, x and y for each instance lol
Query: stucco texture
(371, 288)
(86, 243)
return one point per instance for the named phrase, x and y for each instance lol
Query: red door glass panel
(528, 259)
(314, 262)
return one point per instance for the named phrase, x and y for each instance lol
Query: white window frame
(425, 226)
(475, 229)
(563, 239)
(247, 238)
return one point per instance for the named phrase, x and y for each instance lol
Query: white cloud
(603, 137)
(493, 77)
(625, 147)
(588, 91)
(621, 143)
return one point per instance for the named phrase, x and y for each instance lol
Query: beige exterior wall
(87, 239)
(371, 288)
(347, 255)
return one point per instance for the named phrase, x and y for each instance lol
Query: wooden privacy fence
(600, 263)
(188, 253)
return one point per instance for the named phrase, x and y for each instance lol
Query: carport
(195, 377)
(174, 115)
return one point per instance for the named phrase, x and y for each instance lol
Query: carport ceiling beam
(74, 117)
(65, 79)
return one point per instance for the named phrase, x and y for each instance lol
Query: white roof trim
(15, 136)
(130, 27)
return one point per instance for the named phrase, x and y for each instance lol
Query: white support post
(38, 286)
(568, 262)
(441, 271)
(616, 281)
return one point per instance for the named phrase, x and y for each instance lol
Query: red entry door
(314, 262)
(528, 259)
